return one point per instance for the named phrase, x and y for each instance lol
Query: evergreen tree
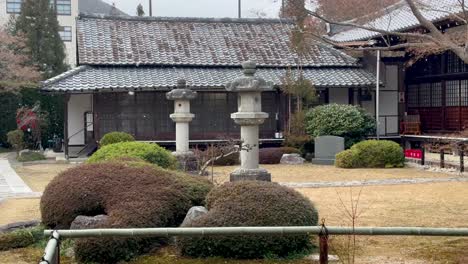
(38, 23)
(140, 11)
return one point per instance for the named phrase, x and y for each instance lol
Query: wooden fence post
(462, 161)
(423, 156)
(323, 244)
(442, 159)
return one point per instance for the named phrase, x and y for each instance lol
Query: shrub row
(252, 204)
(131, 192)
(20, 238)
(371, 154)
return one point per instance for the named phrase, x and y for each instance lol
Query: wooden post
(423, 156)
(462, 161)
(323, 244)
(442, 159)
(65, 125)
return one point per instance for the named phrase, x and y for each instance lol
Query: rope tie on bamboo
(323, 229)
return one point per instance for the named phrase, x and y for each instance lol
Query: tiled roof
(400, 18)
(195, 42)
(99, 7)
(94, 78)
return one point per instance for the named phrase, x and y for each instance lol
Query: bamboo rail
(52, 254)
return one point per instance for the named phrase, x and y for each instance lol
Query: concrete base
(322, 161)
(186, 161)
(250, 175)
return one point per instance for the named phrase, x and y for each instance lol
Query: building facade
(128, 64)
(434, 90)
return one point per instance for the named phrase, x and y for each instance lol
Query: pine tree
(140, 11)
(38, 23)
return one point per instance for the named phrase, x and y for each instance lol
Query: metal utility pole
(377, 96)
(150, 8)
(239, 9)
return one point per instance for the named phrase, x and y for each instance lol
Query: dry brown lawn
(36, 177)
(426, 205)
(317, 173)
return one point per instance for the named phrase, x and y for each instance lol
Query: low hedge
(152, 153)
(115, 137)
(273, 155)
(252, 203)
(31, 156)
(372, 154)
(133, 194)
(21, 238)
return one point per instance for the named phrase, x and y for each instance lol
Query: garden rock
(88, 222)
(292, 159)
(193, 214)
(326, 148)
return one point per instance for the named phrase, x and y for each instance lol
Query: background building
(67, 12)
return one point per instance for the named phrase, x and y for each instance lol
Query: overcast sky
(202, 8)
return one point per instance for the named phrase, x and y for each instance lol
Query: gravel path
(11, 185)
(372, 182)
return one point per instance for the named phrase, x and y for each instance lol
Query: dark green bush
(304, 143)
(348, 121)
(16, 139)
(273, 155)
(133, 195)
(31, 156)
(233, 159)
(252, 204)
(20, 238)
(115, 137)
(152, 153)
(372, 154)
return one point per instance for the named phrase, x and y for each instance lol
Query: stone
(186, 161)
(241, 174)
(193, 214)
(18, 225)
(88, 222)
(326, 148)
(292, 159)
(69, 252)
(316, 257)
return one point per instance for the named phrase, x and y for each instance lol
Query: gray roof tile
(195, 42)
(400, 18)
(92, 78)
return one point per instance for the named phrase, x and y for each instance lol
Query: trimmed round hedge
(252, 203)
(115, 137)
(372, 154)
(348, 121)
(149, 152)
(132, 194)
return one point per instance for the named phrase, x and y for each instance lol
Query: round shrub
(152, 153)
(372, 154)
(346, 159)
(348, 121)
(273, 155)
(233, 159)
(252, 203)
(132, 195)
(115, 137)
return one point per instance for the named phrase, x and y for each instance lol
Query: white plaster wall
(69, 21)
(77, 106)
(338, 96)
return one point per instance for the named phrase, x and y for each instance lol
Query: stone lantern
(182, 117)
(249, 117)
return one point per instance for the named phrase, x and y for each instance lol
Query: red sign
(413, 153)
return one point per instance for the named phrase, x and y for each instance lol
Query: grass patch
(31, 156)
